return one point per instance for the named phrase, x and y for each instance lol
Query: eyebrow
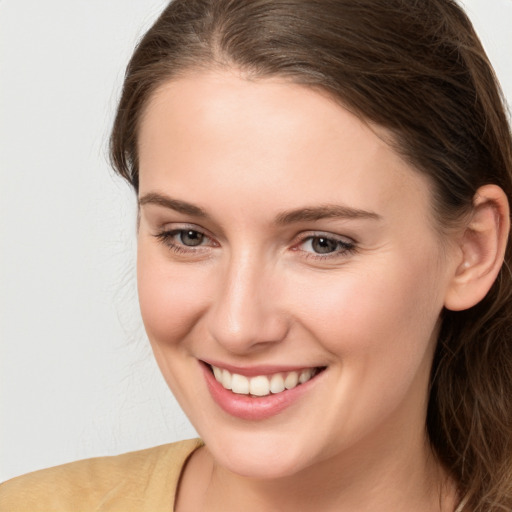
(173, 204)
(310, 213)
(328, 211)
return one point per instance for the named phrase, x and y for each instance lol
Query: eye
(323, 245)
(190, 237)
(185, 240)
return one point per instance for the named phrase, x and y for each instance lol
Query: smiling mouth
(263, 385)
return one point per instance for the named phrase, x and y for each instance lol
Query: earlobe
(482, 249)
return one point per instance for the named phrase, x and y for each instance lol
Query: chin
(258, 456)
(258, 468)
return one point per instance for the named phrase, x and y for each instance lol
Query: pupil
(191, 238)
(324, 245)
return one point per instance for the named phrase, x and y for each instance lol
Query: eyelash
(344, 247)
(167, 238)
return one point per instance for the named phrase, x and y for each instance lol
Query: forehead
(268, 137)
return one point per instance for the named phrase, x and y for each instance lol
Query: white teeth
(259, 386)
(277, 383)
(291, 381)
(262, 385)
(239, 384)
(226, 379)
(218, 373)
(305, 375)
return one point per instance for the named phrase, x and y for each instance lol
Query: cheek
(171, 296)
(390, 310)
(379, 329)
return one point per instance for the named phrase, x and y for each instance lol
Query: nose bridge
(245, 315)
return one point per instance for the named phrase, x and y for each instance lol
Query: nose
(246, 315)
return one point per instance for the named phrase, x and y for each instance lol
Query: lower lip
(247, 407)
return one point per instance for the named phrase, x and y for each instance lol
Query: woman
(323, 223)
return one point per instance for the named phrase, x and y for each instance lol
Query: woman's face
(282, 240)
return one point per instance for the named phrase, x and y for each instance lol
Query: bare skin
(205, 487)
(233, 267)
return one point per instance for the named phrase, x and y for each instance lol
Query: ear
(481, 249)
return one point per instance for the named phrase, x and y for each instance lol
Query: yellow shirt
(139, 481)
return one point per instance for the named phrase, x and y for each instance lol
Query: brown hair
(418, 69)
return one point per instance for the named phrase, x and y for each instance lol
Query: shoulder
(141, 480)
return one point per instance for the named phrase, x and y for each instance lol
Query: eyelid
(323, 234)
(185, 226)
(348, 245)
(167, 237)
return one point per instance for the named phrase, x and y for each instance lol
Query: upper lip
(251, 371)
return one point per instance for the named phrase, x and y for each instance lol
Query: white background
(77, 378)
